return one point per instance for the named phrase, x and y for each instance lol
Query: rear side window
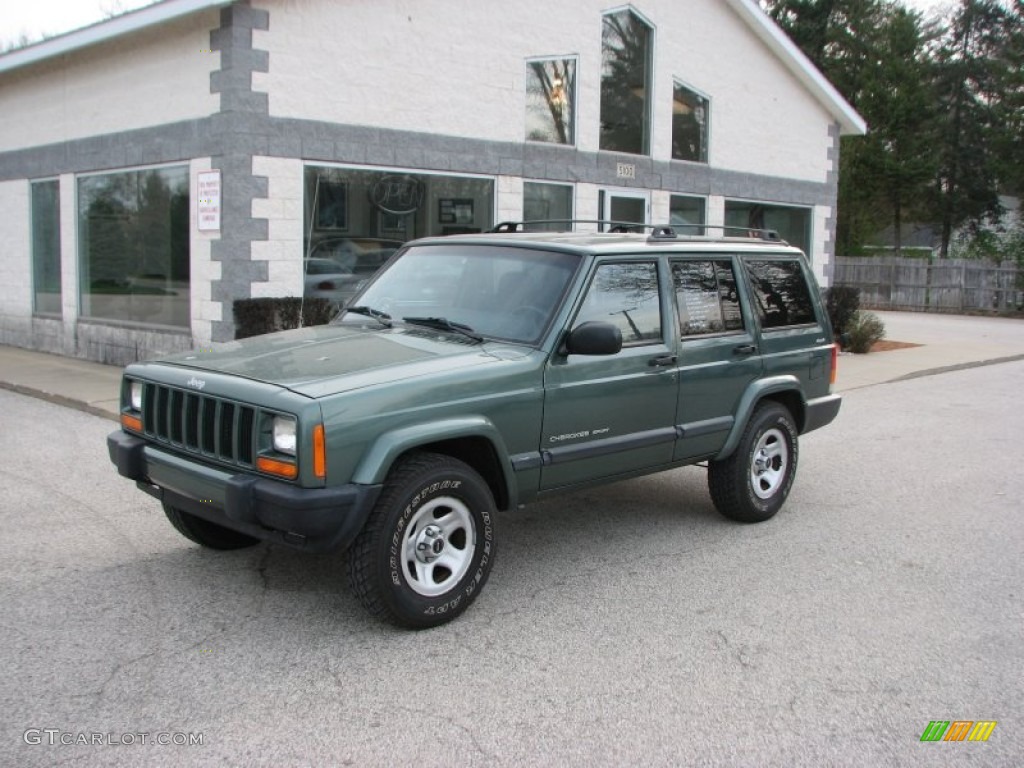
(781, 294)
(707, 297)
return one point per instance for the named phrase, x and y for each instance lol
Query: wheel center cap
(429, 544)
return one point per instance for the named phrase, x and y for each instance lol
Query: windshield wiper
(381, 317)
(444, 324)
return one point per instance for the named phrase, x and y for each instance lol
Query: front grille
(208, 426)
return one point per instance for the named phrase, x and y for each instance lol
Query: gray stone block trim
(832, 184)
(241, 126)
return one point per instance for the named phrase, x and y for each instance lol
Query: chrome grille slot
(200, 424)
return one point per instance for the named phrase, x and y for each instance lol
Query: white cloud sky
(36, 18)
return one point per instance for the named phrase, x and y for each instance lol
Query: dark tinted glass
(707, 297)
(781, 294)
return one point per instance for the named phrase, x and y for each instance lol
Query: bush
(254, 317)
(841, 302)
(863, 330)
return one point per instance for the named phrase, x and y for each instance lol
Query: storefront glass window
(792, 224)
(355, 219)
(625, 83)
(134, 246)
(547, 202)
(687, 213)
(550, 100)
(46, 247)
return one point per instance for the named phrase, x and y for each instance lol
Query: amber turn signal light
(134, 423)
(835, 364)
(274, 467)
(319, 452)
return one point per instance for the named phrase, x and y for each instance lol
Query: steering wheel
(538, 315)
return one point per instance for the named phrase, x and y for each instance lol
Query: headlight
(135, 395)
(284, 434)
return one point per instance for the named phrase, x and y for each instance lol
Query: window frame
(706, 138)
(651, 260)
(647, 117)
(573, 99)
(80, 255)
(55, 180)
(743, 309)
(808, 282)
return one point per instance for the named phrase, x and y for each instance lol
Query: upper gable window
(689, 125)
(551, 101)
(626, 42)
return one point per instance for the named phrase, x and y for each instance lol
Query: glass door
(624, 206)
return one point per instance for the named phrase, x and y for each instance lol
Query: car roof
(601, 243)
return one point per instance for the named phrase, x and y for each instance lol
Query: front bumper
(310, 519)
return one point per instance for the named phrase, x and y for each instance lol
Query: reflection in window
(687, 213)
(547, 202)
(46, 247)
(625, 295)
(781, 294)
(625, 83)
(550, 100)
(689, 125)
(134, 246)
(707, 297)
(792, 224)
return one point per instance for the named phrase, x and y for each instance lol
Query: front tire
(205, 533)
(428, 546)
(752, 484)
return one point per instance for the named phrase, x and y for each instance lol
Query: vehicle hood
(328, 359)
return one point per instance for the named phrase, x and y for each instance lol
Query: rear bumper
(311, 519)
(821, 411)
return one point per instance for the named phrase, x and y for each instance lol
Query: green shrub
(863, 330)
(841, 303)
(254, 317)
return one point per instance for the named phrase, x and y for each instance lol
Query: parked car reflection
(328, 279)
(361, 255)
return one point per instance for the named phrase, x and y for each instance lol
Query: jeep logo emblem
(196, 383)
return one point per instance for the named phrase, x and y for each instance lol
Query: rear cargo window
(781, 294)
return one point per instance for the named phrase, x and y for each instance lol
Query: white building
(344, 127)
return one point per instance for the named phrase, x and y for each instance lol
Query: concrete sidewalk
(948, 342)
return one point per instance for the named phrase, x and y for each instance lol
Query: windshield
(497, 292)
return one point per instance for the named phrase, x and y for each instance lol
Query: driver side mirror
(593, 338)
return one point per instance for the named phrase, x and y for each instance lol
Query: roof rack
(658, 231)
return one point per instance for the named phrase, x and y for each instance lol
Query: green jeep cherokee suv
(478, 373)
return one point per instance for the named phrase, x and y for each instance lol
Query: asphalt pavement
(625, 625)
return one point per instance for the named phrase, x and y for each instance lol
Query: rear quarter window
(782, 296)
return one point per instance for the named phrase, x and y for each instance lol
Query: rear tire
(428, 546)
(205, 533)
(752, 484)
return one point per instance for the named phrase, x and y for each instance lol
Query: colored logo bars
(958, 730)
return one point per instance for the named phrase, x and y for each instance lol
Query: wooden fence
(949, 285)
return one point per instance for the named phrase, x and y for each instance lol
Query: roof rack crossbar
(658, 231)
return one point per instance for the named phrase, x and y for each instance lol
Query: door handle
(663, 361)
(745, 349)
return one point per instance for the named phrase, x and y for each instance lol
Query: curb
(67, 402)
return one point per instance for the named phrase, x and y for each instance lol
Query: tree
(898, 154)
(971, 71)
(873, 52)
